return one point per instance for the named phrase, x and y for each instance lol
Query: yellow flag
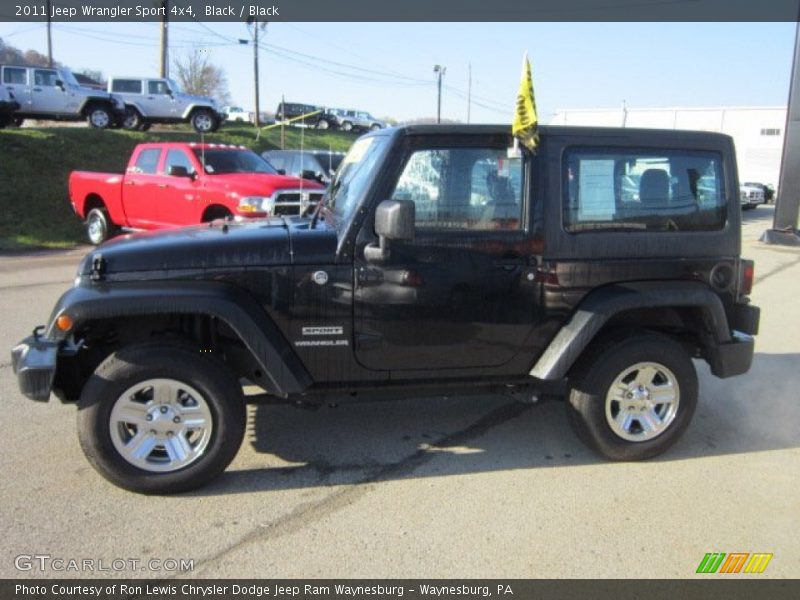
(526, 123)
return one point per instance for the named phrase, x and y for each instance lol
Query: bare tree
(13, 55)
(199, 76)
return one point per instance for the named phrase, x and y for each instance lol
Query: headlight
(256, 204)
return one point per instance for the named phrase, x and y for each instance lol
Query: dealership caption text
(142, 11)
(253, 590)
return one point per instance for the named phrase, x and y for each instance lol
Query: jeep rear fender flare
(89, 100)
(282, 369)
(600, 305)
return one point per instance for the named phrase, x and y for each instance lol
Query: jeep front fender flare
(600, 305)
(237, 308)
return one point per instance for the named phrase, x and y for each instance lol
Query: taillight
(748, 274)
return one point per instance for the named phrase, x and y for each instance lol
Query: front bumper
(34, 363)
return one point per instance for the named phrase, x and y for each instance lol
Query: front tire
(99, 226)
(347, 126)
(632, 395)
(203, 121)
(99, 116)
(161, 418)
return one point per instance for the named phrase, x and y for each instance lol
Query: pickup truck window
(178, 158)
(127, 86)
(463, 188)
(224, 162)
(15, 75)
(646, 190)
(147, 161)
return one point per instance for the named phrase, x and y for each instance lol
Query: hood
(245, 184)
(215, 246)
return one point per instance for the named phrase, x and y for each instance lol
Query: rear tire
(161, 418)
(632, 395)
(99, 226)
(132, 119)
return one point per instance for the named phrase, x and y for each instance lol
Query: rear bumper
(34, 363)
(734, 357)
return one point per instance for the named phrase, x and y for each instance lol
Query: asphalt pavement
(462, 487)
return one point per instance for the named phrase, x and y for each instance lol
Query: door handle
(128, 182)
(150, 98)
(37, 89)
(162, 185)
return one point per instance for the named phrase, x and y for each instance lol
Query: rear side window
(127, 86)
(645, 190)
(14, 75)
(159, 88)
(147, 161)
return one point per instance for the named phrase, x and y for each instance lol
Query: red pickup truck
(174, 184)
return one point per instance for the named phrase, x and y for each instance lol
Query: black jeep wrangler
(440, 261)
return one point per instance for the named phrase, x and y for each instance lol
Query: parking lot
(477, 487)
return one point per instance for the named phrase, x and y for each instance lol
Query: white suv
(155, 100)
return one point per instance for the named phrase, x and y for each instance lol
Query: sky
(387, 68)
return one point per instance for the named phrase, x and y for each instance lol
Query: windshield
(174, 87)
(69, 78)
(218, 161)
(347, 189)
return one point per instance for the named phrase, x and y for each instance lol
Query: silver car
(153, 100)
(55, 94)
(355, 120)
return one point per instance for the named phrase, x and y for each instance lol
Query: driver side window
(475, 189)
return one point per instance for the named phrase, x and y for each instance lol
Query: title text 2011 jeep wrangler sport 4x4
(597, 268)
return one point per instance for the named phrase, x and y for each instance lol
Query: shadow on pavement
(380, 441)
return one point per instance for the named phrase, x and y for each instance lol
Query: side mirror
(309, 174)
(281, 171)
(180, 171)
(394, 220)
(60, 84)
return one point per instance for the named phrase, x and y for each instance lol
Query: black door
(462, 294)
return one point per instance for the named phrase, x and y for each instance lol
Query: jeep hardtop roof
(554, 130)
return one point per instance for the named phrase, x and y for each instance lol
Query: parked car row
(328, 118)
(131, 102)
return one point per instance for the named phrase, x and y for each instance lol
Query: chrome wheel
(96, 229)
(161, 425)
(203, 122)
(99, 118)
(642, 402)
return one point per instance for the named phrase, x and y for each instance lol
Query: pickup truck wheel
(633, 396)
(132, 119)
(99, 116)
(347, 126)
(323, 124)
(374, 127)
(161, 418)
(203, 121)
(99, 226)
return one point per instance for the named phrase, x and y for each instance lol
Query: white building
(757, 130)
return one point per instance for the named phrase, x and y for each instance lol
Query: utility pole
(440, 71)
(49, 38)
(469, 92)
(165, 40)
(254, 34)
